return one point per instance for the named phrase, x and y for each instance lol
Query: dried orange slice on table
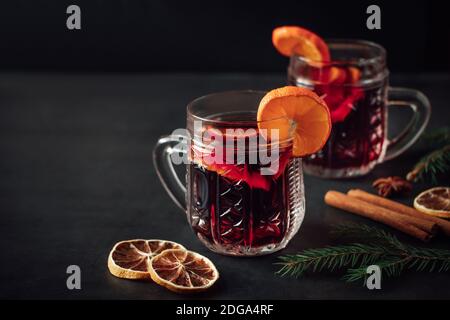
(129, 259)
(290, 106)
(183, 271)
(435, 202)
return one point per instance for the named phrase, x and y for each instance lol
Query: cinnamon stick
(443, 225)
(418, 228)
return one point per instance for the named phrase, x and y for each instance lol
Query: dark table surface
(76, 176)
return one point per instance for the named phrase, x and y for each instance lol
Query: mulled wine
(235, 205)
(357, 139)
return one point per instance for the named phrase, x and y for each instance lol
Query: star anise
(392, 185)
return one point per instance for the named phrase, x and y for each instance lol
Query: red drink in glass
(244, 196)
(234, 205)
(359, 125)
(354, 84)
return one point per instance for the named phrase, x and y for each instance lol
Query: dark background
(204, 36)
(76, 172)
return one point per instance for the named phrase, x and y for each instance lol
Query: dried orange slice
(183, 271)
(289, 40)
(434, 201)
(288, 107)
(128, 259)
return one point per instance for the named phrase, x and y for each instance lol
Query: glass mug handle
(163, 152)
(420, 105)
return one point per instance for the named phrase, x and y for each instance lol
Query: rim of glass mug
(195, 104)
(207, 107)
(369, 57)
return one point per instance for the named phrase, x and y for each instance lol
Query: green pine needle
(362, 232)
(435, 163)
(376, 247)
(432, 165)
(392, 266)
(329, 258)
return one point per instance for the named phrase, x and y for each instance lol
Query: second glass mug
(355, 87)
(234, 209)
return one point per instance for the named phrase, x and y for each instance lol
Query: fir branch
(365, 233)
(424, 259)
(417, 259)
(381, 248)
(432, 165)
(329, 258)
(391, 266)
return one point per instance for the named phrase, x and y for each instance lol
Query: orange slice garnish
(129, 259)
(183, 271)
(299, 109)
(289, 40)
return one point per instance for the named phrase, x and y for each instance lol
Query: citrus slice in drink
(336, 75)
(295, 112)
(326, 75)
(129, 259)
(214, 157)
(435, 202)
(342, 102)
(289, 40)
(353, 75)
(183, 271)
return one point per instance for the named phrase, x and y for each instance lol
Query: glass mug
(355, 86)
(234, 207)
